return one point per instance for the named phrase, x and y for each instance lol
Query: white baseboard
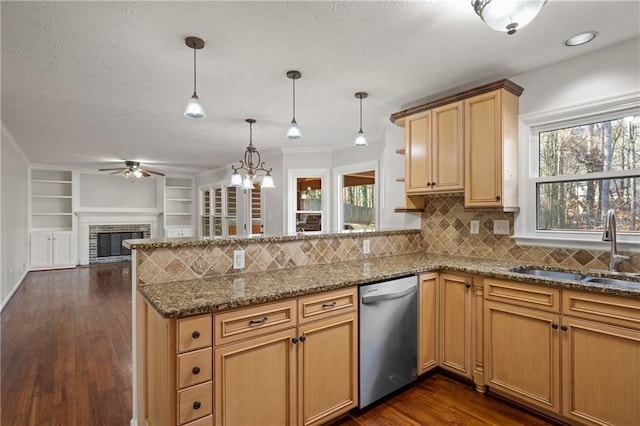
(13, 291)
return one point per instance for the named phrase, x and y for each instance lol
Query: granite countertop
(179, 299)
(152, 243)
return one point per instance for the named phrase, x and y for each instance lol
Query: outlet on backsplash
(238, 259)
(474, 227)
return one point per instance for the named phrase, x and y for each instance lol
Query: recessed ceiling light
(581, 38)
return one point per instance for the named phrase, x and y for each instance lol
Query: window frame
(526, 232)
(338, 179)
(292, 180)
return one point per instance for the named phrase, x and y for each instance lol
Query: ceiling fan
(132, 169)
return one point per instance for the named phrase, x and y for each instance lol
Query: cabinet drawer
(205, 421)
(194, 333)
(602, 307)
(255, 321)
(194, 367)
(523, 294)
(321, 305)
(195, 402)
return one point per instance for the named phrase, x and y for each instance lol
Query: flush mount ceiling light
(194, 106)
(294, 130)
(253, 165)
(361, 140)
(507, 15)
(581, 38)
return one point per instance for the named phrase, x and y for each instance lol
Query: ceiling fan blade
(150, 171)
(144, 173)
(115, 173)
(108, 170)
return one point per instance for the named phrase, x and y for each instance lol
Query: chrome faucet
(609, 234)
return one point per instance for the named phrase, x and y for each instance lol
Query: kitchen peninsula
(301, 282)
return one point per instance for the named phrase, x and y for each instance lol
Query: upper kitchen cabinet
(433, 150)
(491, 150)
(178, 207)
(463, 142)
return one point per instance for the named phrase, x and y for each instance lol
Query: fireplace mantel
(105, 216)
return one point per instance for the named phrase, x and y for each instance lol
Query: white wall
(114, 191)
(607, 72)
(14, 247)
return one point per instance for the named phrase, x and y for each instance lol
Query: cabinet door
(40, 249)
(447, 148)
(522, 355)
(456, 297)
(256, 381)
(428, 322)
(417, 131)
(601, 373)
(327, 368)
(483, 150)
(61, 249)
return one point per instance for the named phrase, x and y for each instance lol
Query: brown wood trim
(407, 210)
(505, 84)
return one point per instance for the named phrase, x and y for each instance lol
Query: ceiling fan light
(127, 174)
(194, 108)
(361, 139)
(137, 173)
(236, 180)
(507, 15)
(267, 182)
(294, 130)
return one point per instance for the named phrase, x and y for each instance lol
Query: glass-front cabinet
(228, 212)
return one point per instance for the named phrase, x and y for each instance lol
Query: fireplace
(105, 241)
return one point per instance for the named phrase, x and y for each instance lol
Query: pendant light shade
(294, 129)
(507, 15)
(361, 139)
(194, 106)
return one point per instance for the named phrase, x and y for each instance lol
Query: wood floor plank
(65, 360)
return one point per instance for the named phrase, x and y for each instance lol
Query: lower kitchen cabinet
(523, 353)
(428, 322)
(456, 315)
(601, 359)
(256, 381)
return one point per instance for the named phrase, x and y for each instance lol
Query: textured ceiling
(89, 84)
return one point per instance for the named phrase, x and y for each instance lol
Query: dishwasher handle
(388, 296)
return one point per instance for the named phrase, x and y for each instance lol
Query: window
(308, 200)
(220, 207)
(357, 193)
(578, 169)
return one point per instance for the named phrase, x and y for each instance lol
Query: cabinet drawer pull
(260, 321)
(554, 326)
(433, 184)
(197, 405)
(329, 305)
(195, 370)
(195, 334)
(428, 184)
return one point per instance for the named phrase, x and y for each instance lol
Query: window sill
(578, 240)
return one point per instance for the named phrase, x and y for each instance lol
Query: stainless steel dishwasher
(388, 337)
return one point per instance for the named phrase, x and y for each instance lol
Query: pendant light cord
(294, 98)
(360, 114)
(194, 69)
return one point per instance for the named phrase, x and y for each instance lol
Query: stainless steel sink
(550, 274)
(609, 281)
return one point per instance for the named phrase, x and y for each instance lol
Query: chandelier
(253, 165)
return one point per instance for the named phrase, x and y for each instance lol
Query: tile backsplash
(445, 230)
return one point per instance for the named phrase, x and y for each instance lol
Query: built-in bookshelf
(178, 199)
(51, 200)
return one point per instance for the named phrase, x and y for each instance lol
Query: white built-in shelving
(178, 206)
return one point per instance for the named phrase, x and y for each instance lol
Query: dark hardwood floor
(66, 360)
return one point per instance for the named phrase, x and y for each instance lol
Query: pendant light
(253, 165)
(294, 129)
(361, 140)
(194, 106)
(507, 15)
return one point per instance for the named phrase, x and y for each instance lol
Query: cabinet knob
(195, 370)
(497, 198)
(564, 328)
(428, 184)
(197, 405)
(294, 340)
(195, 334)
(554, 326)
(433, 184)
(302, 339)
(467, 285)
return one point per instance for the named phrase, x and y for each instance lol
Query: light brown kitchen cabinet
(456, 323)
(491, 150)
(428, 322)
(601, 358)
(522, 342)
(434, 150)
(302, 375)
